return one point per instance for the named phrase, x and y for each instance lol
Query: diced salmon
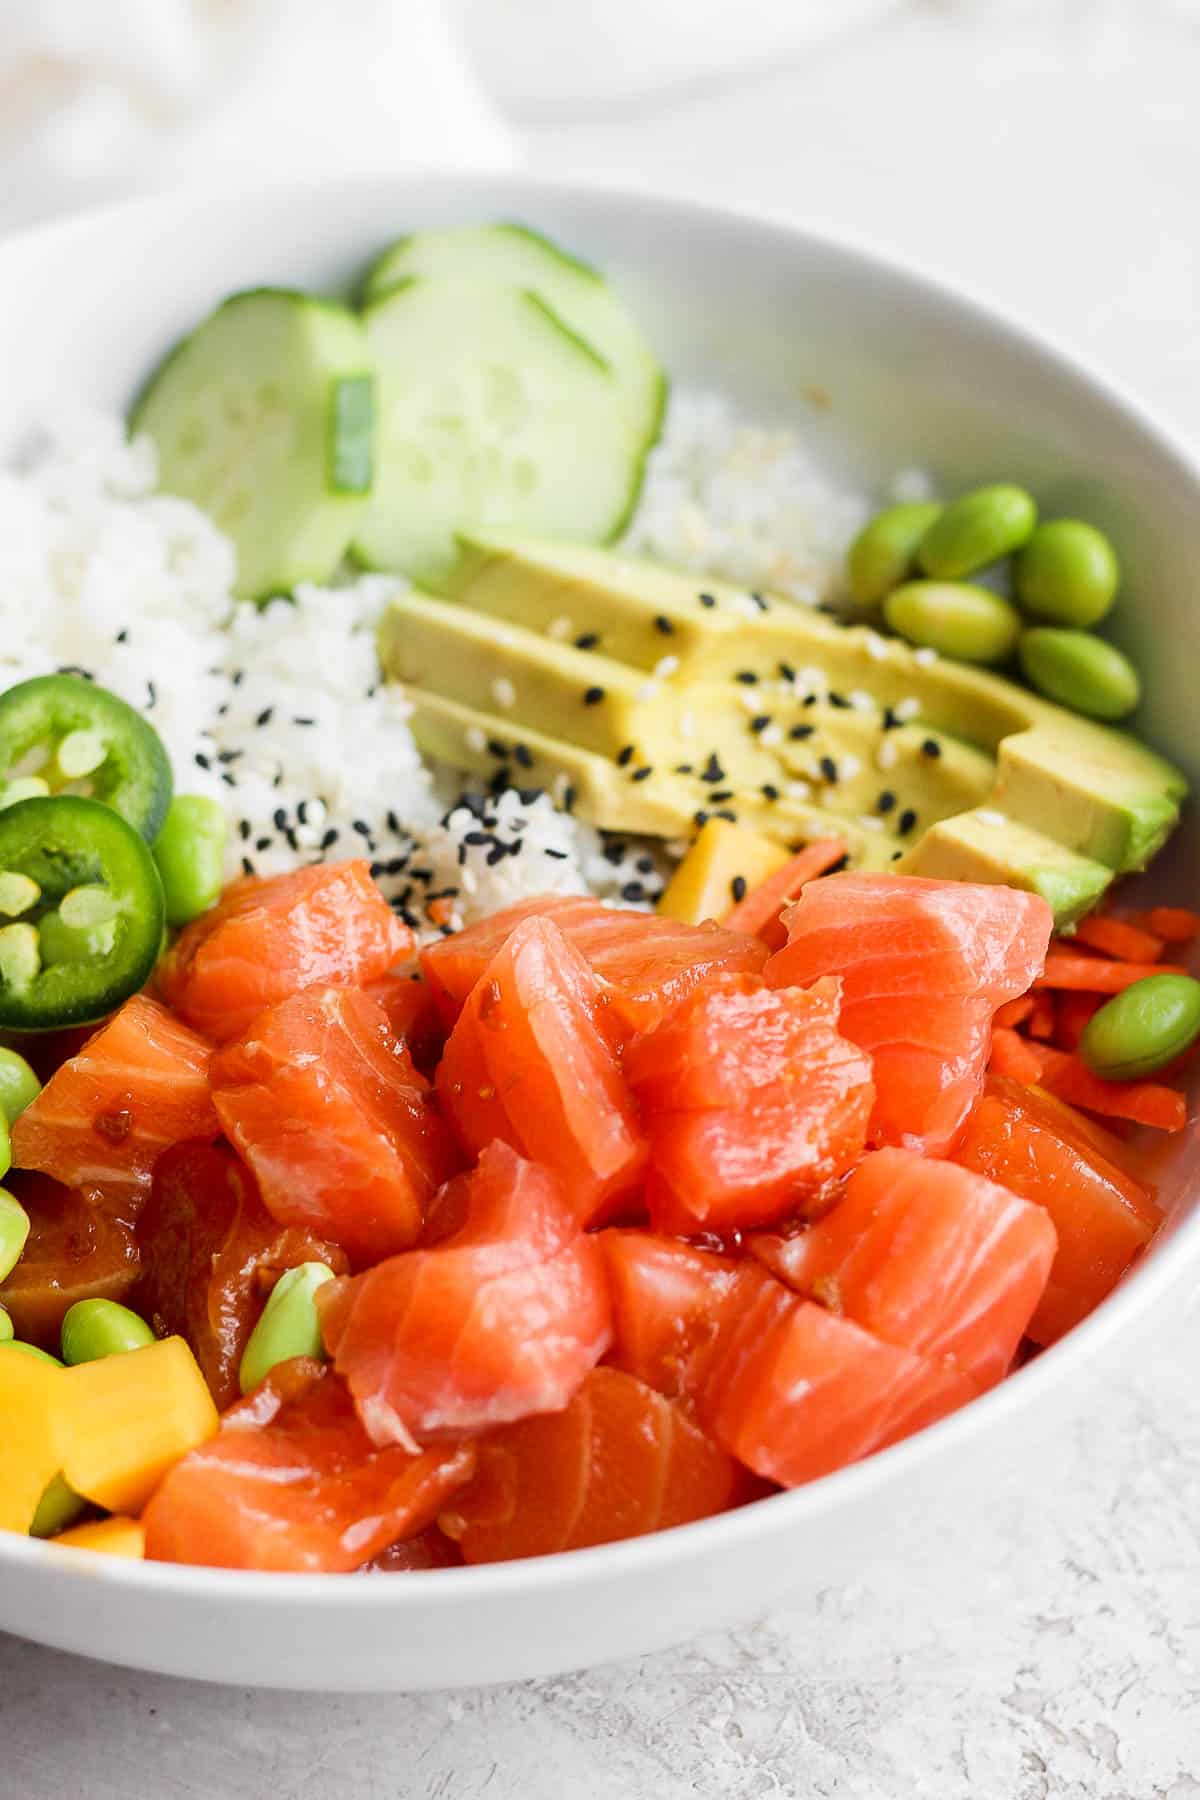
(413, 1015)
(104, 1118)
(211, 1255)
(929, 1256)
(77, 1249)
(617, 1461)
(1101, 1214)
(796, 1392)
(669, 1301)
(333, 1119)
(292, 1482)
(923, 965)
(527, 1063)
(646, 962)
(323, 926)
(501, 1319)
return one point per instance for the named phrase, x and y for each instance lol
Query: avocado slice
(1093, 789)
(983, 845)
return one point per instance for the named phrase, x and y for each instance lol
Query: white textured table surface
(1045, 155)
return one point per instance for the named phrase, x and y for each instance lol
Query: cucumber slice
(518, 257)
(491, 412)
(264, 417)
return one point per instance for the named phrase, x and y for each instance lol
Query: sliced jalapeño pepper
(60, 730)
(84, 923)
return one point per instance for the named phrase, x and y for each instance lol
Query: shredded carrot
(1043, 1017)
(758, 914)
(1093, 975)
(1013, 1012)
(1145, 1102)
(1013, 1057)
(1174, 924)
(1074, 1011)
(1119, 939)
(440, 911)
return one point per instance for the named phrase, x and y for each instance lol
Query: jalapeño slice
(76, 874)
(61, 730)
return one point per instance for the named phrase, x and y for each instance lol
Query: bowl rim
(786, 1512)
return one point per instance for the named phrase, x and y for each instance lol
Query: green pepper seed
(58, 1507)
(954, 618)
(977, 529)
(288, 1324)
(20, 956)
(14, 1229)
(31, 1350)
(80, 753)
(190, 853)
(59, 943)
(83, 908)
(92, 1329)
(1143, 1028)
(17, 893)
(1067, 573)
(24, 787)
(1077, 670)
(19, 1086)
(6, 1327)
(882, 554)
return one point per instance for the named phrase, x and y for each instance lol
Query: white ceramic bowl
(914, 375)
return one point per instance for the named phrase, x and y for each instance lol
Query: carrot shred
(1013, 1057)
(1074, 1011)
(1145, 1102)
(1013, 1012)
(1174, 924)
(1119, 939)
(1044, 1016)
(757, 915)
(1093, 975)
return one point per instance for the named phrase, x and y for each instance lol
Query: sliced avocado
(1095, 790)
(983, 845)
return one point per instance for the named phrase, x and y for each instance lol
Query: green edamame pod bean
(58, 1507)
(18, 1085)
(1067, 573)
(14, 1229)
(288, 1325)
(1143, 1028)
(95, 1328)
(881, 556)
(5, 1147)
(6, 1327)
(190, 853)
(955, 618)
(977, 529)
(1080, 671)
(31, 1350)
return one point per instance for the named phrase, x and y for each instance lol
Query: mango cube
(128, 1418)
(114, 1537)
(31, 1435)
(702, 887)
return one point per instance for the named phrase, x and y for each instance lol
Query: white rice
(280, 712)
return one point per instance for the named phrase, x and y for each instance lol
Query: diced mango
(115, 1537)
(31, 1435)
(702, 887)
(127, 1419)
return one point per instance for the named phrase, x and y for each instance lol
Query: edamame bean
(955, 618)
(1067, 573)
(881, 556)
(1142, 1028)
(31, 1350)
(6, 1327)
(976, 529)
(58, 1507)
(1080, 671)
(14, 1229)
(190, 853)
(18, 1085)
(5, 1147)
(288, 1325)
(95, 1328)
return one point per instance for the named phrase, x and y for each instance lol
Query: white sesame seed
(746, 605)
(476, 739)
(503, 691)
(687, 725)
(665, 666)
(869, 822)
(308, 836)
(560, 628)
(860, 700)
(677, 848)
(505, 638)
(848, 767)
(809, 680)
(907, 708)
(875, 646)
(559, 786)
(771, 736)
(750, 700)
(798, 790)
(648, 690)
(887, 755)
(468, 880)
(988, 816)
(926, 656)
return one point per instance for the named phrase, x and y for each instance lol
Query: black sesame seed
(393, 823)
(222, 709)
(265, 716)
(645, 865)
(201, 760)
(496, 748)
(587, 640)
(376, 870)
(642, 774)
(896, 855)
(523, 755)
(759, 601)
(769, 791)
(890, 721)
(558, 855)
(75, 669)
(122, 636)
(931, 747)
(495, 855)
(737, 887)
(633, 890)
(228, 780)
(786, 671)
(244, 829)
(747, 677)
(151, 695)
(238, 676)
(809, 700)
(684, 768)
(801, 731)
(625, 755)
(663, 624)
(329, 837)
(279, 817)
(247, 866)
(907, 820)
(828, 768)
(843, 862)
(593, 696)
(721, 794)
(361, 826)
(527, 796)
(228, 756)
(725, 812)
(707, 599)
(886, 801)
(712, 770)
(395, 865)
(836, 699)
(569, 798)
(499, 780)
(263, 843)
(614, 853)
(299, 721)
(700, 818)
(759, 722)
